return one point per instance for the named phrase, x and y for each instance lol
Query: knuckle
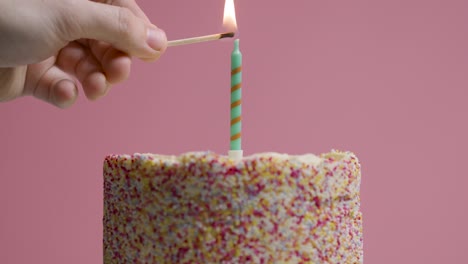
(125, 22)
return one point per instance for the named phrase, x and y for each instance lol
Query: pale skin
(49, 48)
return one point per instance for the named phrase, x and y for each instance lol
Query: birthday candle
(236, 96)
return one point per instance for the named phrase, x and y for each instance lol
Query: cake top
(333, 175)
(174, 159)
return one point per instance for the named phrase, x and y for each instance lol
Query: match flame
(229, 20)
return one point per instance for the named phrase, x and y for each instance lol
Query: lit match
(199, 39)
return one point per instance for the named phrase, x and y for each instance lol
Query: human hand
(48, 47)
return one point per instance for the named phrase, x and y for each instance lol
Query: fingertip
(117, 66)
(95, 86)
(157, 41)
(64, 94)
(156, 38)
(152, 59)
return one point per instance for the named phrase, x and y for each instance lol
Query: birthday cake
(201, 207)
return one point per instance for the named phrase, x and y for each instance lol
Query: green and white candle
(236, 101)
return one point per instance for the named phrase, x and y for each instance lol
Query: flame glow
(229, 20)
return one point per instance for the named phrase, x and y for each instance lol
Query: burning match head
(227, 35)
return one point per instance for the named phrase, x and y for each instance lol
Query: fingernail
(157, 39)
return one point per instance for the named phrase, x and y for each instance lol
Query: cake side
(205, 207)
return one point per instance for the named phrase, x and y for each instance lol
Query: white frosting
(304, 158)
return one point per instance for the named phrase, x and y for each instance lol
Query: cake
(201, 207)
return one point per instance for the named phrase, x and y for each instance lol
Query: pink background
(385, 79)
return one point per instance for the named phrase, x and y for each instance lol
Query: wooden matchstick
(199, 39)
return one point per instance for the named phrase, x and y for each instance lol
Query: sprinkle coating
(201, 207)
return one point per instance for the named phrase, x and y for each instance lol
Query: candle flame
(229, 20)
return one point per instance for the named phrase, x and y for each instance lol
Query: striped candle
(236, 96)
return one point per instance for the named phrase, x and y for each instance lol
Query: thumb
(119, 27)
